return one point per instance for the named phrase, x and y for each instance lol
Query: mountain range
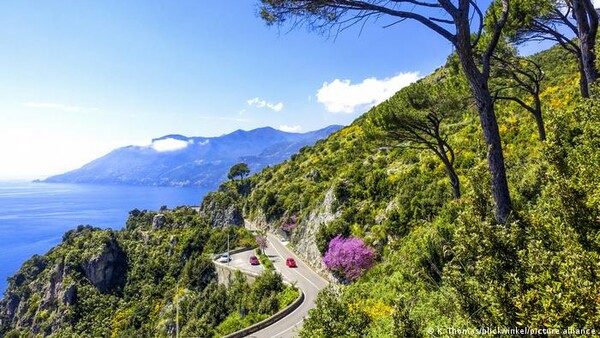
(176, 160)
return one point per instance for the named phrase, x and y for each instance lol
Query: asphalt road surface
(241, 261)
(304, 277)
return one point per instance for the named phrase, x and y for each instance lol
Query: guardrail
(269, 321)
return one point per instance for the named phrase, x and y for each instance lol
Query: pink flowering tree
(262, 242)
(348, 257)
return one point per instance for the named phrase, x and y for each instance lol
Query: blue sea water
(34, 216)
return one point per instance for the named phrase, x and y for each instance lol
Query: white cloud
(341, 96)
(59, 106)
(290, 129)
(169, 144)
(262, 104)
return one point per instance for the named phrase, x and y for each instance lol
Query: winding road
(304, 278)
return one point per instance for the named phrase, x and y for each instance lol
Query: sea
(34, 216)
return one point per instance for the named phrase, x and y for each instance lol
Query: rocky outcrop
(11, 303)
(54, 297)
(69, 296)
(107, 269)
(55, 290)
(231, 216)
(158, 221)
(314, 176)
(304, 236)
(221, 210)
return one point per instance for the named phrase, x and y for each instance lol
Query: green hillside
(444, 262)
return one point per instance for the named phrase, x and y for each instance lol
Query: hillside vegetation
(445, 262)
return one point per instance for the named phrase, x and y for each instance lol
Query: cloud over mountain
(169, 144)
(341, 96)
(290, 129)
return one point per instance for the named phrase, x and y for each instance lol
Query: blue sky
(80, 78)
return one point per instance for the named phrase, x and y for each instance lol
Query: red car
(254, 260)
(290, 262)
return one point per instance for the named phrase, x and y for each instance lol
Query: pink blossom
(349, 257)
(290, 225)
(262, 242)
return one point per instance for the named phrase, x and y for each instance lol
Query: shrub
(266, 261)
(331, 317)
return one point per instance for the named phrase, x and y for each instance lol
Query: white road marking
(289, 328)
(293, 326)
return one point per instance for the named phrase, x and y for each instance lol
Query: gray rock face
(304, 238)
(231, 216)
(106, 269)
(314, 175)
(53, 293)
(69, 296)
(158, 222)
(54, 288)
(222, 217)
(12, 302)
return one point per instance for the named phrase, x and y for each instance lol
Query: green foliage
(287, 296)
(197, 272)
(327, 232)
(334, 317)
(416, 117)
(13, 334)
(238, 170)
(447, 263)
(266, 262)
(264, 292)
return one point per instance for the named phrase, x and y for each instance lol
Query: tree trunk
(454, 181)
(583, 84)
(540, 126)
(448, 164)
(537, 114)
(495, 157)
(487, 117)
(587, 25)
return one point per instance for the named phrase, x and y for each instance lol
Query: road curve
(304, 278)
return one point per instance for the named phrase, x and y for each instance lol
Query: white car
(224, 258)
